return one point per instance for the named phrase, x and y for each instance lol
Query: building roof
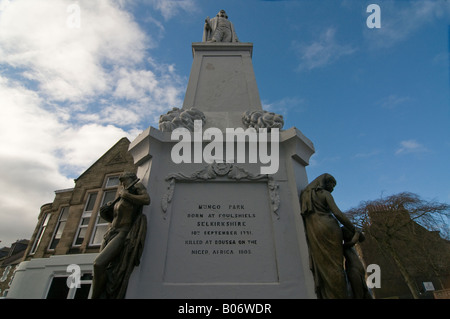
(14, 253)
(106, 153)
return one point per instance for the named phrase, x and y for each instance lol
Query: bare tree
(398, 223)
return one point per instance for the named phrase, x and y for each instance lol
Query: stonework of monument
(222, 229)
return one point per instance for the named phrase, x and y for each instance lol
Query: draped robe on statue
(325, 238)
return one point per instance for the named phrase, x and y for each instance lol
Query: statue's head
(329, 182)
(127, 178)
(222, 14)
(324, 181)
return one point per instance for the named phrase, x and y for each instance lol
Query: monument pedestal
(222, 230)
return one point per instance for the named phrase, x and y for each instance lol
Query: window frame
(87, 214)
(62, 211)
(71, 292)
(98, 224)
(107, 187)
(40, 233)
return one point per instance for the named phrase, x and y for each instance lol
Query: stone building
(10, 257)
(69, 231)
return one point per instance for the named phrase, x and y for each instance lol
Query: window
(59, 227)
(60, 290)
(98, 227)
(112, 181)
(40, 233)
(101, 225)
(85, 218)
(5, 273)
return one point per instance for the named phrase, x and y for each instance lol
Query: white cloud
(28, 163)
(170, 8)
(37, 146)
(68, 94)
(394, 101)
(410, 146)
(284, 105)
(162, 89)
(26, 127)
(68, 63)
(322, 52)
(82, 146)
(114, 114)
(400, 19)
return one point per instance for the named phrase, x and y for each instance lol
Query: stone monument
(224, 178)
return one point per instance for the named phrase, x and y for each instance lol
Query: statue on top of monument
(122, 244)
(328, 243)
(219, 29)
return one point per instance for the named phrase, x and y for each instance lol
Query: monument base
(222, 230)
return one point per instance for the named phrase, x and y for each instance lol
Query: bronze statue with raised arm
(123, 242)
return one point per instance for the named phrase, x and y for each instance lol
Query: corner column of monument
(190, 251)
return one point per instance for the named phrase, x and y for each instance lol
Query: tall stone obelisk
(222, 230)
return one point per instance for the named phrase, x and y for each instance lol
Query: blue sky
(375, 102)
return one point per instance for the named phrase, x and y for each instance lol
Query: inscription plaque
(221, 232)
